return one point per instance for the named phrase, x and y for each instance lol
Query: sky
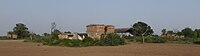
(74, 15)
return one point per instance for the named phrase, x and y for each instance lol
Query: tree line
(141, 31)
(186, 32)
(137, 29)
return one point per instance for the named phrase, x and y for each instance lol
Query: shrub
(108, 40)
(138, 39)
(129, 38)
(182, 40)
(88, 41)
(196, 42)
(111, 39)
(159, 40)
(5, 38)
(151, 39)
(63, 42)
(74, 43)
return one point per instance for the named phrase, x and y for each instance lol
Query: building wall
(96, 30)
(13, 36)
(110, 29)
(70, 36)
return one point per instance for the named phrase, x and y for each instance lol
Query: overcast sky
(74, 15)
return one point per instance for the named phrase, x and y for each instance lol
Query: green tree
(68, 32)
(21, 30)
(188, 32)
(141, 28)
(10, 32)
(163, 31)
(55, 33)
(46, 34)
(179, 33)
(197, 32)
(170, 32)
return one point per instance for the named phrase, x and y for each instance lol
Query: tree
(141, 28)
(179, 33)
(46, 34)
(10, 32)
(21, 30)
(163, 31)
(188, 32)
(170, 32)
(68, 32)
(197, 32)
(55, 33)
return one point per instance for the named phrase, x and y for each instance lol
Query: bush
(196, 42)
(88, 41)
(111, 39)
(158, 40)
(183, 40)
(73, 42)
(108, 40)
(151, 39)
(138, 39)
(3, 37)
(129, 38)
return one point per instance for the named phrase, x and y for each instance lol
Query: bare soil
(20, 48)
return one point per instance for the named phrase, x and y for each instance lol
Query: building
(95, 31)
(70, 36)
(123, 31)
(12, 36)
(109, 29)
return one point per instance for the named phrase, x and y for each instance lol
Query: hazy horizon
(74, 15)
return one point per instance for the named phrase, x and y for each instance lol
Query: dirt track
(20, 48)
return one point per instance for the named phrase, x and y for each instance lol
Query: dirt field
(20, 48)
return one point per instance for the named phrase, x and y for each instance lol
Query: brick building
(96, 30)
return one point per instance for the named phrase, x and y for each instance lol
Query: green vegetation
(142, 33)
(163, 31)
(55, 33)
(20, 30)
(157, 39)
(187, 32)
(148, 39)
(6, 38)
(112, 40)
(3, 38)
(141, 29)
(107, 40)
